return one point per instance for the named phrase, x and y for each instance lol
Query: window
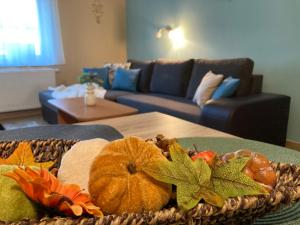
(30, 33)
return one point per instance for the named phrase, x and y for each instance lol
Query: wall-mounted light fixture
(163, 30)
(176, 35)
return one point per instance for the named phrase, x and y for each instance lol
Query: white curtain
(30, 33)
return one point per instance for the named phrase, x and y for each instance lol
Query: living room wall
(87, 43)
(265, 30)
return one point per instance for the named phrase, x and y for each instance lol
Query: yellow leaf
(23, 156)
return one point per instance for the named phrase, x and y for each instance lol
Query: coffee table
(73, 110)
(148, 125)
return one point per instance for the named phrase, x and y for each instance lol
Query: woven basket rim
(286, 191)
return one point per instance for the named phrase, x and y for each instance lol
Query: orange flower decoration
(44, 188)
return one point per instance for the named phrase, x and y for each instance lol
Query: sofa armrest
(262, 117)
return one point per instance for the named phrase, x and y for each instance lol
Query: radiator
(19, 88)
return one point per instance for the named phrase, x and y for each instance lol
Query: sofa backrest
(171, 77)
(181, 78)
(239, 68)
(256, 84)
(146, 68)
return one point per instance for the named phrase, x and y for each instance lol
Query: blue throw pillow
(126, 80)
(227, 88)
(102, 73)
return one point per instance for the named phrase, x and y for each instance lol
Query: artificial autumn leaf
(229, 181)
(42, 187)
(23, 156)
(192, 178)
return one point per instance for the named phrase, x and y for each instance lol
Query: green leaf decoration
(192, 178)
(90, 78)
(229, 181)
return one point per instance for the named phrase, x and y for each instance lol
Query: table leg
(64, 118)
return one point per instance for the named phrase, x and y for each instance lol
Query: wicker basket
(242, 210)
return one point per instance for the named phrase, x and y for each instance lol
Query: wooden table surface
(74, 110)
(148, 125)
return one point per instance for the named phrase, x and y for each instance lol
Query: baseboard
(293, 145)
(20, 114)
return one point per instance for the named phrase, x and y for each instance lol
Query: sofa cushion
(112, 68)
(146, 68)
(175, 106)
(227, 88)
(238, 68)
(114, 94)
(126, 80)
(207, 86)
(176, 72)
(256, 84)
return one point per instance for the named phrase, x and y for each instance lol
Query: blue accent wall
(268, 31)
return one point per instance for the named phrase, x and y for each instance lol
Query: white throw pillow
(206, 88)
(113, 68)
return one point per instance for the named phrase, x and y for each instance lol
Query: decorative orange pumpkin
(118, 183)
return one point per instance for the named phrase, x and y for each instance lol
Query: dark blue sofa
(169, 86)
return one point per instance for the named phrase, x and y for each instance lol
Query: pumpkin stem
(131, 168)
